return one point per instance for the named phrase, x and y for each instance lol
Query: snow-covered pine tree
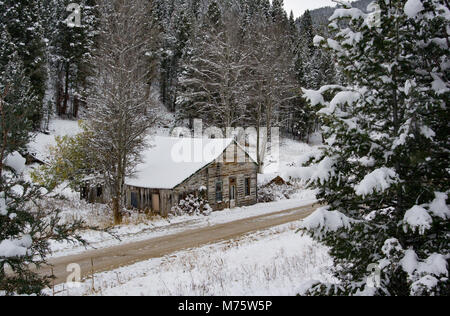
(22, 21)
(174, 21)
(302, 115)
(211, 85)
(17, 99)
(70, 51)
(278, 12)
(25, 226)
(384, 174)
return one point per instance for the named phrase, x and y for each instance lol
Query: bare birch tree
(121, 110)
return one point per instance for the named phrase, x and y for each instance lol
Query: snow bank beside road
(268, 263)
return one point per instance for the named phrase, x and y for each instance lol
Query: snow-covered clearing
(271, 262)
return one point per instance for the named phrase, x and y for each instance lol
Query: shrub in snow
(276, 192)
(384, 174)
(69, 163)
(192, 205)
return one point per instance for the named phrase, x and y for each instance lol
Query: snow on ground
(292, 155)
(41, 143)
(140, 227)
(267, 263)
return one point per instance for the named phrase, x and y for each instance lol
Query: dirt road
(130, 253)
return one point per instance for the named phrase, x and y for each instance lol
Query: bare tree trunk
(260, 141)
(258, 146)
(116, 211)
(66, 91)
(76, 106)
(59, 93)
(262, 152)
(4, 140)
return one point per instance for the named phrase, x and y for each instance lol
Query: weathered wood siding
(144, 197)
(236, 164)
(190, 186)
(91, 193)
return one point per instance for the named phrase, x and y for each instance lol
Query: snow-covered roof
(170, 161)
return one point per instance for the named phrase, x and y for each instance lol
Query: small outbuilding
(174, 168)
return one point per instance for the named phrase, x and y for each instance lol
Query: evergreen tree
(278, 12)
(195, 8)
(21, 19)
(384, 173)
(307, 31)
(311, 72)
(25, 225)
(17, 101)
(214, 16)
(71, 49)
(176, 28)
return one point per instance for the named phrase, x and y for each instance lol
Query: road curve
(123, 255)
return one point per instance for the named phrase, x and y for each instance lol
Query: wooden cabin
(176, 167)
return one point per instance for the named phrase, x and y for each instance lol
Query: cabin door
(232, 192)
(155, 203)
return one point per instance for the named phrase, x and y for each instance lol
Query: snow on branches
(387, 135)
(376, 181)
(323, 221)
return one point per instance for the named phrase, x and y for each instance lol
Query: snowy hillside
(41, 143)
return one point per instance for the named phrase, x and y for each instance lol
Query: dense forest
(231, 63)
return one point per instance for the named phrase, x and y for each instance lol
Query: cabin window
(99, 191)
(134, 200)
(247, 186)
(219, 191)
